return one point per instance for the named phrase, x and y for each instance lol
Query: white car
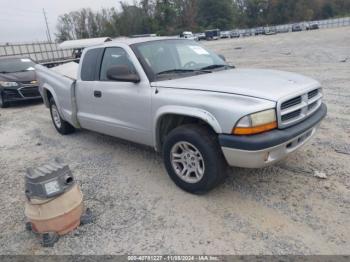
(189, 36)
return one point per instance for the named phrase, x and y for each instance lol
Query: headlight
(8, 84)
(256, 123)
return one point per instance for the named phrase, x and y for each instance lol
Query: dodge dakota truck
(188, 103)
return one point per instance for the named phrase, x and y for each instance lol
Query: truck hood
(271, 85)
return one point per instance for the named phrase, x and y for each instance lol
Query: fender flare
(47, 88)
(183, 111)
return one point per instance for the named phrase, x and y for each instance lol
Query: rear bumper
(267, 148)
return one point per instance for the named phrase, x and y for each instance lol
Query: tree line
(170, 17)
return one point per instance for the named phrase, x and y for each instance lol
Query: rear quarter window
(91, 65)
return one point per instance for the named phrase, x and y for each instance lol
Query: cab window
(115, 56)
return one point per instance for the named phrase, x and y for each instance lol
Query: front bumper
(265, 149)
(20, 93)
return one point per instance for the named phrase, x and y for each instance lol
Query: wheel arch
(170, 117)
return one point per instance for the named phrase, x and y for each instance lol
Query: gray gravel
(283, 209)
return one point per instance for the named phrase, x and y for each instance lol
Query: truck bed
(69, 70)
(60, 82)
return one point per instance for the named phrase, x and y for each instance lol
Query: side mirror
(222, 57)
(122, 74)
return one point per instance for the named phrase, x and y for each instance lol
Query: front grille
(296, 109)
(312, 106)
(312, 94)
(11, 94)
(29, 92)
(292, 102)
(292, 115)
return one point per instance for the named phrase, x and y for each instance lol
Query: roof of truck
(131, 41)
(83, 43)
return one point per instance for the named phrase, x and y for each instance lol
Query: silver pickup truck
(186, 102)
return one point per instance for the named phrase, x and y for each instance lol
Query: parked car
(225, 34)
(199, 112)
(283, 29)
(314, 26)
(213, 34)
(17, 80)
(297, 28)
(270, 31)
(246, 33)
(235, 34)
(188, 35)
(259, 31)
(200, 36)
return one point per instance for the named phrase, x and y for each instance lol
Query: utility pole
(48, 34)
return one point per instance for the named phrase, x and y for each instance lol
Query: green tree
(216, 14)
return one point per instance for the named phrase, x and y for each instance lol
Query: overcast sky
(23, 20)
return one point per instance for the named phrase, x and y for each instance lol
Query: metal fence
(42, 52)
(322, 24)
(339, 22)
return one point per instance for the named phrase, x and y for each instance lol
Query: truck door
(120, 109)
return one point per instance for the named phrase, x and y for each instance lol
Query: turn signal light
(254, 130)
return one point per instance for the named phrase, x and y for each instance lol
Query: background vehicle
(235, 34)
(314, 26)
(282, 29)
(191, 106)
(213, 34)
(297, 28)
(17, 80)
(188, 35)
(200, 36)
(246, 33)
(225, 34)
(270, 31)
(259, 31)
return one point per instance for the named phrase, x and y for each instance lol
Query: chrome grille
(292, 102)
(294, 110)
(313, 93)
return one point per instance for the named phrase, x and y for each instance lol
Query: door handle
(97, 94)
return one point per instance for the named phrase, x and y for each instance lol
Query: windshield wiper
(20, 71)
(174, 71)
(216, 66)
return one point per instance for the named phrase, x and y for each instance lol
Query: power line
(47, 28)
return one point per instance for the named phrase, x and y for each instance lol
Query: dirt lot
(282, 209)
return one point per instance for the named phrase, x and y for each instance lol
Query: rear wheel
(62, 126)
(193, 159)
(3, 104)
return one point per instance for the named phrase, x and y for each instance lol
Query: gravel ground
(283, 209)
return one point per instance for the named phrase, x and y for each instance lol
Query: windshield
(178, 57)
(14, 65)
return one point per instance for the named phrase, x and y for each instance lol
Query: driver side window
(115, 56)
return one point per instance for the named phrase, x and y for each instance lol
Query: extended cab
(186, 102)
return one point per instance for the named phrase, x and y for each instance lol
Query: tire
(208, 168)
(3, 104)
(62, 126)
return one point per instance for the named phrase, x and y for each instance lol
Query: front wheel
(193, 159)
(62, 126)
